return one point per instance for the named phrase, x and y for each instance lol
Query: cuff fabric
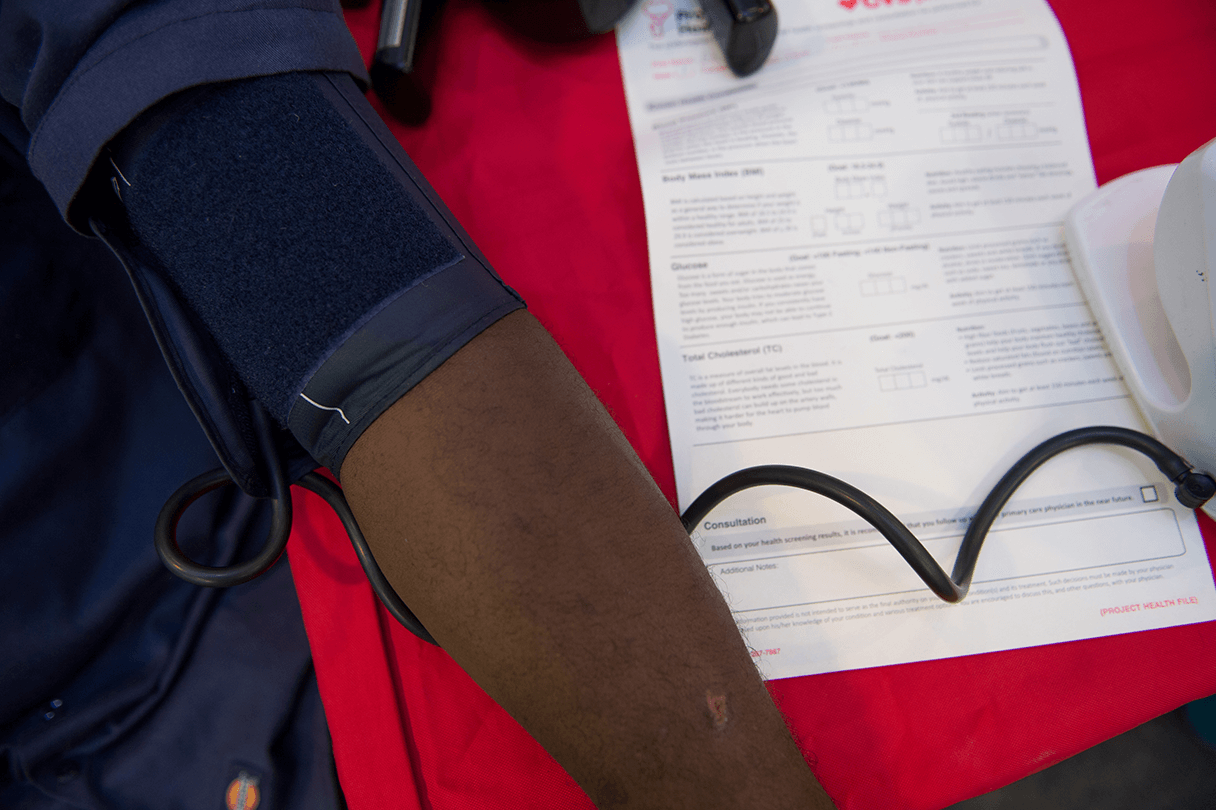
(305, 245)
(157, 49)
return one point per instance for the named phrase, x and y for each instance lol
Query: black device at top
(745, 30)
(392, 72)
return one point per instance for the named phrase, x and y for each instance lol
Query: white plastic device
(1144, 251)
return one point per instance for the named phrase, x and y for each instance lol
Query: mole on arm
(717, 709)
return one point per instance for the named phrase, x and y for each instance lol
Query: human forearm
(506, 507)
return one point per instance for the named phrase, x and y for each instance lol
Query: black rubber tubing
(1192, 490)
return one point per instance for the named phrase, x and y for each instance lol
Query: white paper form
(858, 266)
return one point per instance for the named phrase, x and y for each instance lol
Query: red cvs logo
(849, 4)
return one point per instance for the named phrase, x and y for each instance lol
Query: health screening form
(858, 266)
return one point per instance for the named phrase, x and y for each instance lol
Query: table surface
(529, 145)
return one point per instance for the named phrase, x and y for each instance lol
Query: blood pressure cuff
(286, 251)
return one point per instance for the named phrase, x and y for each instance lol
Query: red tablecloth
(530, 146)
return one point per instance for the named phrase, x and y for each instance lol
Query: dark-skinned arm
(506, 507)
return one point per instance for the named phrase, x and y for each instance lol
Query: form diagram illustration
(845, 105)
(850, 131)
(848, 222)
(845, 223)
(902, 380)
(899, 217)
(853, 188)
(962, 133)
(887, 285)
(1021, 131)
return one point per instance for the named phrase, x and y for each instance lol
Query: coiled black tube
(171, 554)
(165, 533)
(177, 562)
(1193, 489)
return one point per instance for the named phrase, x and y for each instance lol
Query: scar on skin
(717, 709)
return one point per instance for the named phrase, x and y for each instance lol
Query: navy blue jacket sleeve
(359, 321)
(74, 73)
